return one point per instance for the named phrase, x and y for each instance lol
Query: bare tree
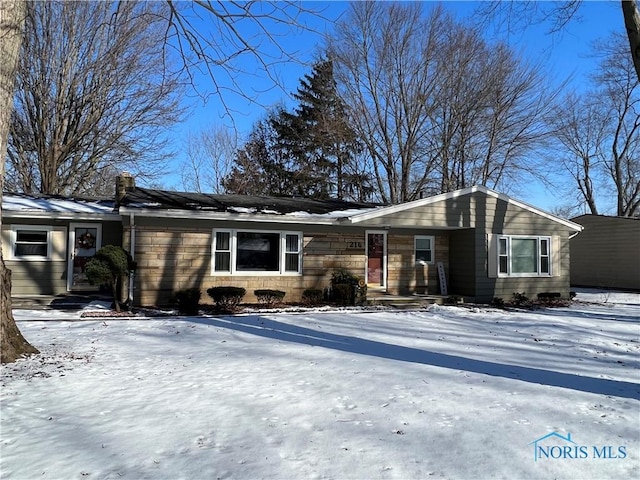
(620, 94)
(598, 132)
(94, 95)
(580, 129)
(193, 42)
(489, 113)
(210, 155)
(384, 57)
(12, 344)
(517, 15)
(433, 117)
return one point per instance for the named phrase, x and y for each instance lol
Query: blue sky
(566, 55)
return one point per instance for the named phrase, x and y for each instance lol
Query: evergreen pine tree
(318, 139)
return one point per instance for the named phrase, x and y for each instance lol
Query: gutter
(132, 252)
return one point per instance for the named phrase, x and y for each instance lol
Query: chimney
(124, 183)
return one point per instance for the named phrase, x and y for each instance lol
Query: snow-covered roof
(161, 203)
(26, 205)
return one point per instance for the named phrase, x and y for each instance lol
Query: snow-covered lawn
(449, 392)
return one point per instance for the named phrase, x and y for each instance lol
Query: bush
(520, 300)
(347, 288)
(343, 276)
(343, 294)
(312, 296)
(188, 300)
(227, 299)
(497, 302)
(268, 297)
(107, 267)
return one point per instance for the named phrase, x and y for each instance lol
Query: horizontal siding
(462, 269)
(505, 287)
(606, 253)
(37, 278)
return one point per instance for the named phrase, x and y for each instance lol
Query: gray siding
(606, 253)
(48, 277)
(462, 264)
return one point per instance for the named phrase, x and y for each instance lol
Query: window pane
(292, 242)
(223, 261)
(544, 265)
(291, 262)
(504, 262)
(222, 241)
(525, 256)
(544, 247)
(31, 236)
(503, 246)
(258, 251)
(31, 249)
(423, 244)
(423, 255)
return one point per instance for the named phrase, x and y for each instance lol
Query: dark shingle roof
(162, 199)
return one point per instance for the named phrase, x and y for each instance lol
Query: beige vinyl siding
(38, 277)
(606, 253)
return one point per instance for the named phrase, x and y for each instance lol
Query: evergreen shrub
(269, 298)
(188, 300)
(227, 298)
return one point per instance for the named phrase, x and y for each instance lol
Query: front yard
(449, 392)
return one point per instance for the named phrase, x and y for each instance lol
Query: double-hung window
(424, 249)
(249, 252)
(31, 242)
(521, 256)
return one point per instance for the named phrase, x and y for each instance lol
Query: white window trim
(539, 239)
(30, 258)
(233, 241)
(432, 240)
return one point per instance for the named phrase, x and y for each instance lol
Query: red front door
(375, 259)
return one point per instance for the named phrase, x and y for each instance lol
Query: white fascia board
(76, 216)
(455, 194)
(229, 217)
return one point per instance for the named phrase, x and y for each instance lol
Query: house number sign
(354, 246)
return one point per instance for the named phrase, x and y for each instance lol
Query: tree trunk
(12, 12)
(632, 24)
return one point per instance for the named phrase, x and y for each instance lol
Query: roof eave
(225, 216)
(41, 215)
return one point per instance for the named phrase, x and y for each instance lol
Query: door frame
(72, 244)
(383, 285)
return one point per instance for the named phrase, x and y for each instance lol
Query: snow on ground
(448, 392)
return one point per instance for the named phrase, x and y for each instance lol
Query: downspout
(132, 252)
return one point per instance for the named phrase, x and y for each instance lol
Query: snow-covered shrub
(227, 298)
(269, 298)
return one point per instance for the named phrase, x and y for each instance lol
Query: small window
(31, 243)
(222, 251)
(292, 253)
(424, 249)
(520, 256)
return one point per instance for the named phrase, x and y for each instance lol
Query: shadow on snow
(267, 328)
